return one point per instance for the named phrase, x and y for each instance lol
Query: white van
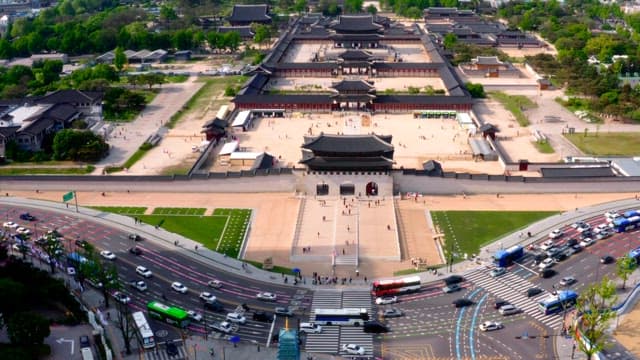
(310, 328)
(87, 354)
(508, 310)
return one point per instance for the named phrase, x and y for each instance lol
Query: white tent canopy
(242, 119)
(228, 148)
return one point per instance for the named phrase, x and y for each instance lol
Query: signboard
(67, 197)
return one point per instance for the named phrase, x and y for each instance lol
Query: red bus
(389, 287)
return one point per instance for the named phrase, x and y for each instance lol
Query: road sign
(68, 196)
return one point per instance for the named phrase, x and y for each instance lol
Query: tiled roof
(348, 163)
(356, 23)
(69, 96)
(352, 85)
(356, 55)
(348, 144)
(249, 13)
(243, 31)
(282, 99)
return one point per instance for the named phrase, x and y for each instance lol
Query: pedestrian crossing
(333, 338)
(513, 288)
(160, 353)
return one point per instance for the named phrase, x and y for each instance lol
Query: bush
(145, 146)
(230, 91)
(413, 90)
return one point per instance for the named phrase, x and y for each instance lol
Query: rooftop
(249, 13)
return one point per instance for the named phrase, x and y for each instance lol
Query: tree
(69, 144)
(53, 248)
(300, 6)
(372, 9)
(624, 267)
(353, 6)
(262, 33)
(126, 325)
(22, 245)
(231, 40)
(594, 304)
(476, 90)
(168, 13)
(100, 272)
(12, 298)
(120, 59)
(450, 40)
(27, 328)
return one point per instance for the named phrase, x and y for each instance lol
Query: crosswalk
(512, 288)
(333, 338)
(160, 353)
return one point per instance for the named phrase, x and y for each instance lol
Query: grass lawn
(139, 154)
(123, 210)
(624, 144)
(543, 147)
(236, 227)
(178, 211)
(516, 104)
(213, 87)
(47, 170)
(467, 231)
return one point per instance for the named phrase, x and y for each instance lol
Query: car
(578, 224)
(23, 231)
(392, 313)
(587, 242)
(602, 227)
(207, 297)
(611, 214)
(236, 318)
(531, 292)
(224, 327)
(537, 258)
(577, 248)
(216, 284)
(500, 303)
(214, 306)
(560, 256)
(121, 297)
(462, 302)
(571, 242)
(10, 225)
(613, 218)
(82, 243)
(266, 296)
(71, 271)
(603, 235)
(143, 271)
(386, 300)
(178, 287)
(108, 255)
(135, 251)
(451, 288)
(85, 342)
(607, 259)
(555, 234)
(261, 316)
(490, 326)
(27, 217)
(498, 271)
(284, 311)
(453, 279)
(353, 349)
(194, 315)
(509, 310)
(546, 263)
(567, 281)
(587, 234)
(375, 327)
(138, 284)
(135, 237)
(171, 349)
(310, 328)
(547, 245)
(547, 273)
(583, 228)
(552, 251)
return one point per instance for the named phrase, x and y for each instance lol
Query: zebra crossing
(333, 338)
(512, 288)
(160, 353)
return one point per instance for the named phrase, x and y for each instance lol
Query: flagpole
(75, 196)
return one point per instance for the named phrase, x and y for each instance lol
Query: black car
(453, 279)
(135, 251)
(572, 242)
(560, 256)
(586, 234)
(547, 273)
(27, 217)
(375, 327)
(537, 259)
(577, 248)
(172, 349)
(82, 243)
(214, 306)
(533, 292)
(500, 303)
(261, 316)
(607, 259)
(84, 342)
(462, 303)
(135, 237)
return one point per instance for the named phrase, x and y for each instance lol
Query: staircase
(351, 260)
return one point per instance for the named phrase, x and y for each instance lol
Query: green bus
(171, 314)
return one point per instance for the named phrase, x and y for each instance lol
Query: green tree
(300, 6)
(231, 40)
(262, 33)
(27, 328)
(6, 50)
(69, 144)
(120, 59)
(53, 247)
(594, 304)
(168, 13)
(476, 90)
(450, 40)
(353, 6)
(625, 266)
(372, 9)
(13, 294)
(100, 272)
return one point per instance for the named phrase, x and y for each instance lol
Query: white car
(236, 318)
(546, 263)
(194, 316)
(310, 328)
(23, 231)
(586, 242)
(386, 300)
(216, 284)
(140, 285)
(353, 349)
(490, 326)
(547, 245)
(10, 225)
(143, 271)
(267, 296)
(556, 234)
(108, 255)
(600, 228)
(176, 286)
(121, 297)
(207, 297)
(611, 214)
(584, 227)
(578, 224)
